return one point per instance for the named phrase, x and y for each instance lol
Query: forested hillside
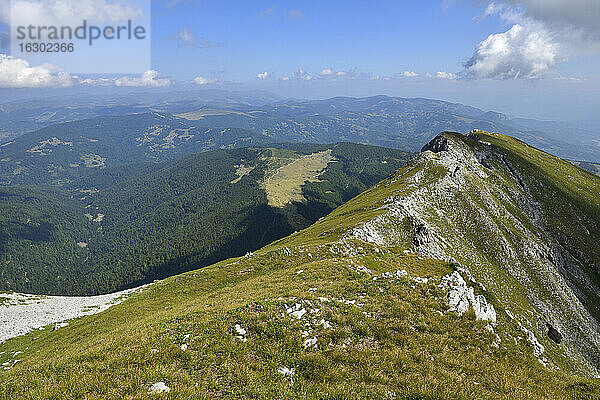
(126, 225)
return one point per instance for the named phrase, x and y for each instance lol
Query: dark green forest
(130, 224)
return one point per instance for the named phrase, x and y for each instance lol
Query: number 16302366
(46, 47)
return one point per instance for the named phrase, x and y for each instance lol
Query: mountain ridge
(484, 212)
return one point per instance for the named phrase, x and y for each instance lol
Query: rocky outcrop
(462, 297)
(438, 144)
(463, 202)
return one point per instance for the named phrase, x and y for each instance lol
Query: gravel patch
(22, 313)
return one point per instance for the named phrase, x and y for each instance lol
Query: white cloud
(526, 51)
(186, 38)
(17, 73)
(302, 75)
(200, 80)
(147, 79)
(409, 74)
(325, 72)
(68, 12)
(541, 34)
(263, 75)
(445, 75)
(97, 82)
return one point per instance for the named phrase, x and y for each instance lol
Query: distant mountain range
(380, 120)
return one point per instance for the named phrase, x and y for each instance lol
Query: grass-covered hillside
(127, 225)
(318, 314)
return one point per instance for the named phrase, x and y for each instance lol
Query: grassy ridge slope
(523, 222)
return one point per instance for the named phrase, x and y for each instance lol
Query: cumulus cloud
(147, 79)
(97, 82)
(65, 12)
(263, 75)
(326, 72)
(302, 75)
(521, 52)
(409, 74)
(541, 34)
(17, 73)
(200, 80)
(445, 75)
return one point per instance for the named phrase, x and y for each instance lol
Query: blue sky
(281, 37)
(518, 57)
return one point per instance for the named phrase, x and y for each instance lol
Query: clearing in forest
(285, 185)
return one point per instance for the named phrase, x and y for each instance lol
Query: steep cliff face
(525, 225)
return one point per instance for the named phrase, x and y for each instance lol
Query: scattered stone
(296, 311)
(310, 342)
(538, 348)
(184, 347)
(158, 388)
(326, 324)
(60, 325)
(392, 275)
(285, 371)
(241, 333)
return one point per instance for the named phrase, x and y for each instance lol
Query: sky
(528, 58)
